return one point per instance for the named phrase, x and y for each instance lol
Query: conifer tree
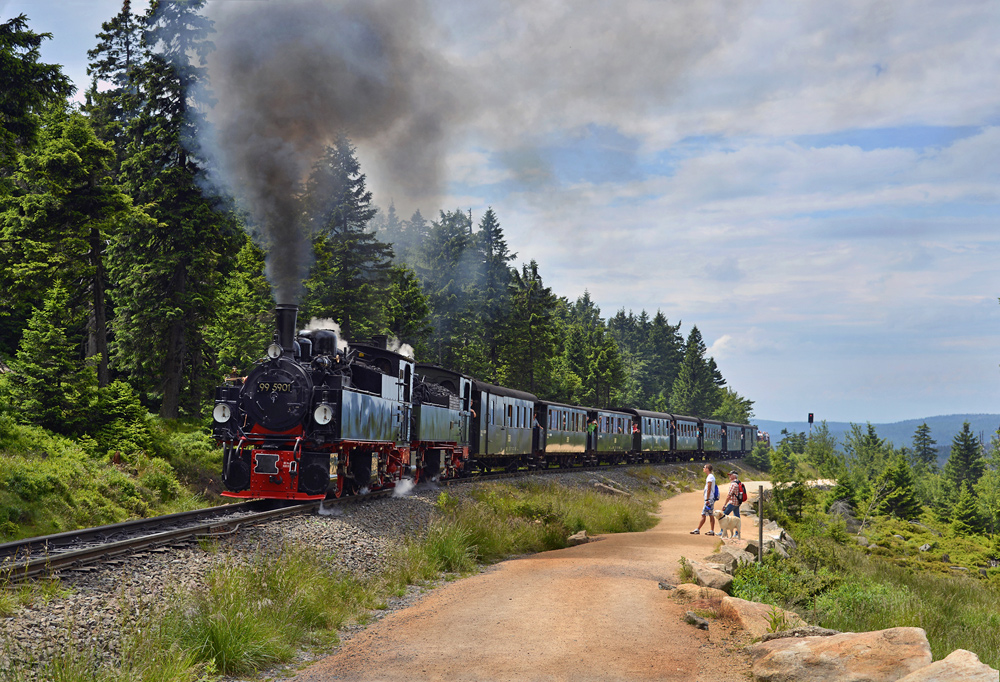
(28, 86)
(532, 341)
(350, 274)
(924, 453)
(112, 98)
(407, 312)
(495, 289)
(694, 392)
(167, 270)
(59, 223)
(244, 320)
(898, 497)
(451, 275)
(53, 388)
(965, 518)
(965, 463)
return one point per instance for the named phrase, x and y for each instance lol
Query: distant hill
(943, 429)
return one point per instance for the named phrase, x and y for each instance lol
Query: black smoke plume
(288, 75)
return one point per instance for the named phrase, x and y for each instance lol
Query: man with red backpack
(737, 495)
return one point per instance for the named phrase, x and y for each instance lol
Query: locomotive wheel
(361, 472)
(315, 479)
(337, 489)
(238, 476)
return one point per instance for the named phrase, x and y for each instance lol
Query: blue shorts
(734, 508)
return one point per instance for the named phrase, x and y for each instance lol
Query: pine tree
(965, 463)
(924, 452)
(965, 518)
(694, 391)
(28, 87)
(899, 497)
(167, 269)
(350, 275)
(53, 388)
(532, 343)
(60, 222)
(119, 52)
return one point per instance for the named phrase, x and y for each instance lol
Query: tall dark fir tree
(351, 271)
(167, 271)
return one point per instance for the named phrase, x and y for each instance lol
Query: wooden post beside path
(760, 525)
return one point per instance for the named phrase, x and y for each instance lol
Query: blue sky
(815, 185)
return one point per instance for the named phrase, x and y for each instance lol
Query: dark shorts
(734, 508)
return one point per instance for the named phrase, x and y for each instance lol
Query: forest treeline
(877, 480)
(122, 273)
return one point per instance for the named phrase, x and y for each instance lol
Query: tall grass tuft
(250, 616)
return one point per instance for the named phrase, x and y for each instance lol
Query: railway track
(51, 555)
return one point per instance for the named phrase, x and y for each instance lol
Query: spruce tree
(167, 269)
(965, 463)
(694, 391)
(61, 220)
(112, 98)
(532, 341)
(965, 517)
(53, 387)
(495, 287)
(898, 497)
(244, 320)
(27, 87)
(407, 311)
(924, 452)
(451, 276)
(350, 275)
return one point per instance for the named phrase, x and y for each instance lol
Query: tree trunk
(173, 366)
(97, 326)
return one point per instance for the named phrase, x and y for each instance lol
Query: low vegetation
(135, 467)
(896, 542)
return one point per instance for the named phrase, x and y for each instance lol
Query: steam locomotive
(317, 417)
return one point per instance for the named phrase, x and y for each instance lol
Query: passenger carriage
(560, 435)
(502, 433)
(711, 437)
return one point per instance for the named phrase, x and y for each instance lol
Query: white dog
(728, 524)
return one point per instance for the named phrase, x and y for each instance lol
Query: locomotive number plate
(274, 387)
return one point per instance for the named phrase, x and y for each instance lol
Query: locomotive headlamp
(323, 414)
(274, 351)
(222, 413)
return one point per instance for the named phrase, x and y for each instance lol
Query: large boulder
(687, 592)
(756, 619)
(707, 576)
(882, 656)
(959, 666)
(729, 557)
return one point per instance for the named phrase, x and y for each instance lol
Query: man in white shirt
(709, 495)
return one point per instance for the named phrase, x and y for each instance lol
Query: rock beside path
(881, 656)
(959, 666)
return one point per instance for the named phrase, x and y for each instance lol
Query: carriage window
(550, 419)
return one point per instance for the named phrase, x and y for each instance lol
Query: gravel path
(103, 603)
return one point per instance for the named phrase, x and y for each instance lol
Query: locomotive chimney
(285, 315)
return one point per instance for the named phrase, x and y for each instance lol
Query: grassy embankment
(257, 613)
(131, 469)
(833, 582)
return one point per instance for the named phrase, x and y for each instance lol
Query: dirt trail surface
(586, 613)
